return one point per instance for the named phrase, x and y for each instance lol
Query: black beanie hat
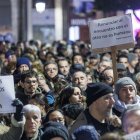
(97, 90)
(55, 129)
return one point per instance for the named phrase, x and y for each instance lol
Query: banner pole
(114, 63)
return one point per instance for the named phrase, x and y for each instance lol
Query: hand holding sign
(19, 106)
(111, 31)
(111, 34)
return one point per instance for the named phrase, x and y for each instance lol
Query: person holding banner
(17, 127)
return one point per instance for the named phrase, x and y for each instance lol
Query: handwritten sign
(133, 136)
(111, 31)
(7, 94)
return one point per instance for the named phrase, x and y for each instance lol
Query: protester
(79, 78)
(33, 122)
(85, 132)
(70, 94)
(132, 62)
(23, 64)
(55, 82)
(137, 82)
(78, 59)
(123, 59)
(28, 86)
(107, 76)
(40, 101)
(17, 120)
(121, 70)
(70, 81)
(55, 131)
(55, 115)
(99, 107)
(71, 112)
(125, 94)
(131, 119)
(64, 68)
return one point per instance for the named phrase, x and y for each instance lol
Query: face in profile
(76, 97)
(104, 104)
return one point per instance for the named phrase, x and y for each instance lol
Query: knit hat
(85, 132)
(55, 129)
(97, 90)
(131, 57)
(9, 53)
(23, 60)
(123, 82)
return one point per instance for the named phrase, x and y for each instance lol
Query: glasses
(29, 82)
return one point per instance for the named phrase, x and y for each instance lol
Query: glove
(19, 106)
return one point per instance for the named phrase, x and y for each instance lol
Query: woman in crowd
(70, 94)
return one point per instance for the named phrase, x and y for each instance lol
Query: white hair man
(33, 121)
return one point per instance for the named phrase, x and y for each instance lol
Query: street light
(40, 6)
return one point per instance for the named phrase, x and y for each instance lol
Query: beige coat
(14, 132)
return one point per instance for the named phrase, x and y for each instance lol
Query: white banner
(111, 31)
(7, 94)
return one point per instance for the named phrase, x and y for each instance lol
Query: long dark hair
(65, 95)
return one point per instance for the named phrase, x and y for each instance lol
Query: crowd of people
(66, 91)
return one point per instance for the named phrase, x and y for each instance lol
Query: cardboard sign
(111, 31)
(133, 136)
(7, 94)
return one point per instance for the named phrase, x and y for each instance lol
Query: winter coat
(24, 98)
(120, 106)
(86, 119)
(14, 132)
(36, 137)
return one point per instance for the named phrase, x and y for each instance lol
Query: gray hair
(131, 109)
(32, 108)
